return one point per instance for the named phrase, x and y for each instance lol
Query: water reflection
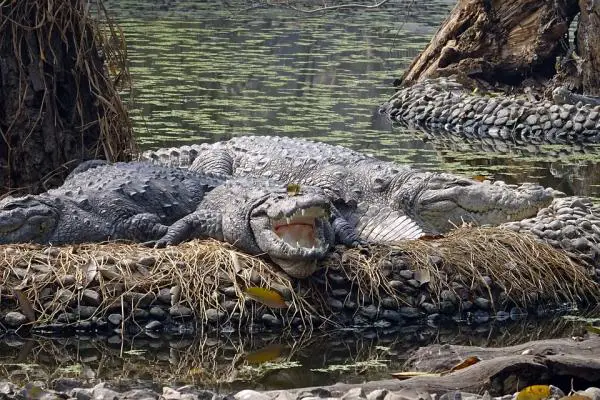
(262, 361)
(205, 72)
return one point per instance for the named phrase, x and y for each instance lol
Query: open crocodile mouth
(299, 230)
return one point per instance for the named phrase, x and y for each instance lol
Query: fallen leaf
(293, 189)
(268, 297)
(593, 329)
(536, 392)
(467, 362)
(266, 354)
(480, 178)
(422, 276)
(411, 374)
(25, 305)
(90, 271)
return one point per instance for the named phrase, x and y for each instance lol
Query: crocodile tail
(214, 161)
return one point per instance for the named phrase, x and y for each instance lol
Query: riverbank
(473, 274)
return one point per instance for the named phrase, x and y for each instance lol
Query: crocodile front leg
(199, 224)
(345, 232)
(142, 227)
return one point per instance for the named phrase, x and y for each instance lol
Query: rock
(81, 393)
(335, 304)
(448, 295)
(406, 274)
(158, 313)
(392, 315)
(271, 320)
(213, 315)
(317, 392)
(115, 319)
(15, 319)
(353, 394)
(8, 388)
(153, 326)
(592, 392)
(378, 394)
(90, 297)
(179, 311)
(410, 312)
(171, 394)
(482, 303)
(148, 261)
(371, 311)
(164, 296)
(101, 392)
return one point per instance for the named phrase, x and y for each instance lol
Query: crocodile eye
(462, 183)
(11, 206)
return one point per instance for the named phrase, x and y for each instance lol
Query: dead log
(506, 370)
(495, 40)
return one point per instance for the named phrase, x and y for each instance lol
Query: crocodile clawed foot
(157, 244)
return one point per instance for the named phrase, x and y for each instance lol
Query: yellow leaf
(268, 297)
(411, 374)
(480, 178)
(267, 353)
(293, 189)
(535, 392)
(467, 362)
(593, 329)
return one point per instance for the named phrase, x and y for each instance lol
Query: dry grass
(52, 280)
(528, 271)
(55, 34)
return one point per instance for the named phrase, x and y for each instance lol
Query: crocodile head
(27, 219)
(444, 201)
(291, 227)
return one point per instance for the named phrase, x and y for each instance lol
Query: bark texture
(58, 105)
(588, 46)
(504, 370)
(503, 41)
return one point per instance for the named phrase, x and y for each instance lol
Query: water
(206, 71)
(264, 361)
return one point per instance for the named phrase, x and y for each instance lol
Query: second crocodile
(152, 203)
(383, 196)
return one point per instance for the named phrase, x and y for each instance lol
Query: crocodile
(570, 223)
(562, 95)
(443, 104)
(384, 202)
(159, 205)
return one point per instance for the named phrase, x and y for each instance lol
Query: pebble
(466, 114)
(15, 319)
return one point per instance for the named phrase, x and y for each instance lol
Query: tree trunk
(58, 105)
(505, 41)
(588, 46)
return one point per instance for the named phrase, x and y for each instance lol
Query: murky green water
(208, 71)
